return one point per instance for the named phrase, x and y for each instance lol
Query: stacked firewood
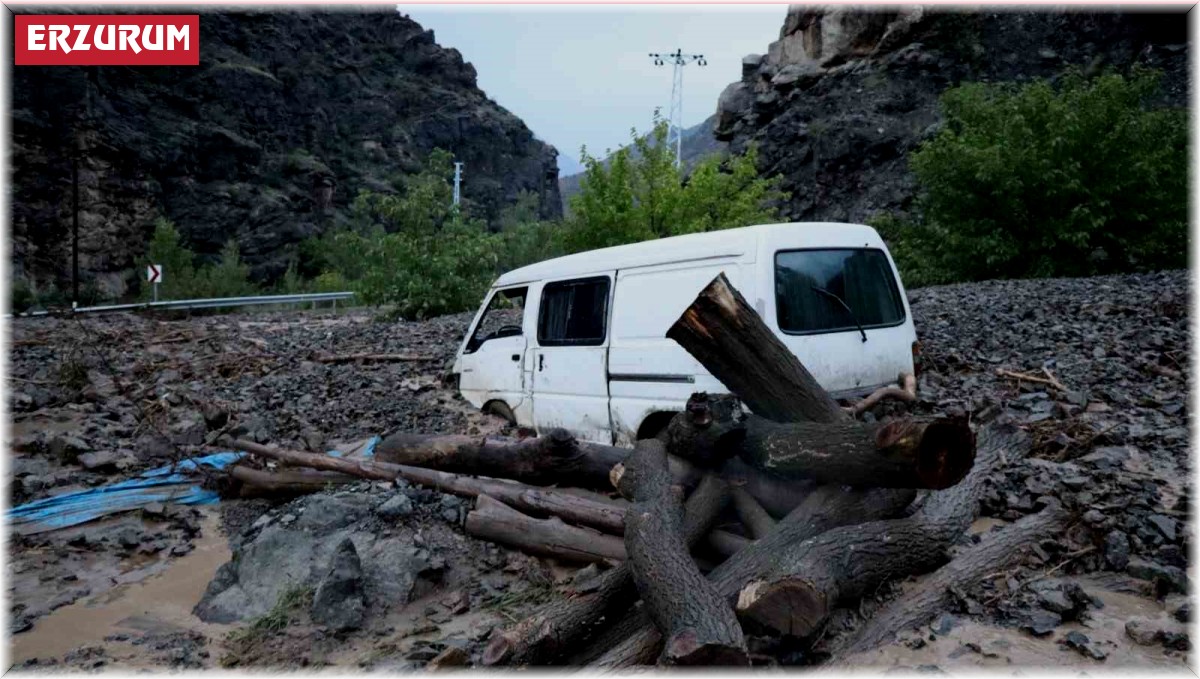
(830, 509)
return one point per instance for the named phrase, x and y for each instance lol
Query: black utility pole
(75, 226)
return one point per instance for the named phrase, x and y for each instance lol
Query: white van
(579, 342)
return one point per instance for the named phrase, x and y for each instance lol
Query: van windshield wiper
(850, 311)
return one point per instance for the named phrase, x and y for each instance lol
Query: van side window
(574, 313)
(830, 290)
(503, 317)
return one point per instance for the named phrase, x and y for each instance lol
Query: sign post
(154, 275)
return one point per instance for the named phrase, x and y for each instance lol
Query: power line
(678, 60)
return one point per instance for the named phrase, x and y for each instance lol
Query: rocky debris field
(381, 575)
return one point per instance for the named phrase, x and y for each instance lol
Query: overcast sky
(581, 75)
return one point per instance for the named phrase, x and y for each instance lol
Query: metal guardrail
(214, 303)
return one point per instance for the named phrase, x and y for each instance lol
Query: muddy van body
(579, 342)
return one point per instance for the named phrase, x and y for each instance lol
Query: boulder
(338, 602)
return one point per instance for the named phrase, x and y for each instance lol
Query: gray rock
(1170, 577)
(67, 448)
(338, 602)
(1109, 458)
(1040, 622)
(1080, 642)
(1183, 613)
(99, 460)
(1164, 525)
(399, 506)
(1141, 632)
(1055, 601)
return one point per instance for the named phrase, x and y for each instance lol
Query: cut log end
(946, 453)
(614, 476)
(686, 649)
(790, 606)
(497, 651)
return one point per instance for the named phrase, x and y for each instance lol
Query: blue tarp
(172, 483)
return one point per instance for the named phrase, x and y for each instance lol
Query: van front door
(570, 376)
(493, 359)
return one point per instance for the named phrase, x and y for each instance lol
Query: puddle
(161, 602)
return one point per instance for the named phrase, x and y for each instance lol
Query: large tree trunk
(556, 628)
(899, 454)
(777, 495)
(810, 577)
(555, 458)
(996, 551)
(581, 507)
(699, 626)
(723, 332)
(634, 641)
(495, 521)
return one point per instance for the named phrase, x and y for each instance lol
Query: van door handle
(516, 357)
(541, 362)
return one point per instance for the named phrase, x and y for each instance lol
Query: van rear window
(573, 312)
(828, 290)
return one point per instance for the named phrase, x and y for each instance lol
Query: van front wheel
(500, 409)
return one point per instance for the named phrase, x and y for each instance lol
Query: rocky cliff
(287, 118)
(845, 93)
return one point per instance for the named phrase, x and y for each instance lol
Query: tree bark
(553, 630)
(724, 333)
(699, 626)
(585, 508)
(810, 577)
(752, 514)
(996, 551)
(555, 458)
(370, 358)
(725, 543)
(635, 641)
(495, 521)
(899, 454)
(263, 483)
(907, 392)
(707, 431)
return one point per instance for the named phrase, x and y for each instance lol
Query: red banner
(107, 39)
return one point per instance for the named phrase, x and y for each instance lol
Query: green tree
(1079, 178)
(229, 277)
(639, 195)
(166, 248)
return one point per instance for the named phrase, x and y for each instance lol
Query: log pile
(729, 522)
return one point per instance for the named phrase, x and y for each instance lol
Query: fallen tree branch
(590, 509)
(370, 358)
(495, 521)
(997, 550)
(260, 482)
(699, 626)
(554, 629)
(753, 516)
(1048, 380)
(906, 392)
(553, 458)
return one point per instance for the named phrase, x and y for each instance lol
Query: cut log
(899, 454)
(906, 392)
(753, 516)
(554, 629)
(263, 483)
(725, 543)
(555, 458)
(779, 496)
(635, 641)
(584, 508)
(708, 430)
(810, 577)
(495, 521)
(996, 551)
(698, 624)
(724, 333)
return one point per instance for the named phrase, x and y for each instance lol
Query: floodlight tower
(678, 60)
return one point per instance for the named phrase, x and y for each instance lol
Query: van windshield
(807, 281)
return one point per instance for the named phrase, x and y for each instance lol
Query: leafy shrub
(229, 277)
(1073, 179)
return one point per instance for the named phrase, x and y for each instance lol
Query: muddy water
(161, 602)
(976, 644)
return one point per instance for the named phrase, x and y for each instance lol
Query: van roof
(694, 246)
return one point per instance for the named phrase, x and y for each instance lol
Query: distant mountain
(698, 144)
(568, 166)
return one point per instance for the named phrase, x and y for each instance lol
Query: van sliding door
(570, 383)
